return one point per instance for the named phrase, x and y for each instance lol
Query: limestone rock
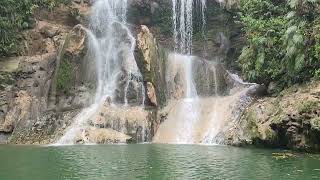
(151, 92)
(18, 114)
(147, 45)
(80, 10)
(75, 42)
(132, 121)
(151, 60)
(71, 80)
(49, 31)
(104, 136)
(288, 121)
(10, 64)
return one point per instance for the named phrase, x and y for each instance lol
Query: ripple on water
(151, 161)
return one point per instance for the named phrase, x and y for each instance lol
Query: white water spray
(182, 17)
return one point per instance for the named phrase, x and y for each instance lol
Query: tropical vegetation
(283, 40)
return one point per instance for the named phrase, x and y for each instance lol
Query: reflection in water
(150, 161)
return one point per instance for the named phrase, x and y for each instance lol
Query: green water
(151, 162)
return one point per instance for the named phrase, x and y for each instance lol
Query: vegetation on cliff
(283, 40)
(16, 15)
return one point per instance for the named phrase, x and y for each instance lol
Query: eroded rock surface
(290, 120)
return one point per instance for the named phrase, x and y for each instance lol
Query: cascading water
(182, 17)
(186, 112)
(193, 117)
(111, 46)
(201, 118)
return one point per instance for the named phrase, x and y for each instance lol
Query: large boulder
(135, 122)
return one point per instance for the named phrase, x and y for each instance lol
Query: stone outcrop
(151, 59)
(134, 122)
(25, 99)
(290, 120)
(106, 136)
(72, 80)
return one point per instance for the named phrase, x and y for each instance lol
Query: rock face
(72, 80)
(290, 120)
(134, 122)
(27, 114)
(25, 100)
(223, 42)
(42, 91)
(151, 59)
(114, 124)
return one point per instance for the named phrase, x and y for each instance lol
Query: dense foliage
(283, 40)
(16, 15)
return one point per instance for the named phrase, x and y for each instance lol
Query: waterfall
(196, 117)
(199, 118)
(182, 17)
(204, 23)
(111, 47)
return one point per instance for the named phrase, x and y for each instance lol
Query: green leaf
(299, 62)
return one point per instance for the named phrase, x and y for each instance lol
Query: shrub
(282, 43)
(16, 15)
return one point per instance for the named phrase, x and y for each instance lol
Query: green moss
(64, 76)
(5, 80)
(163, 20)
(270, 134)
(308, 106)
(315, 123)
(251, 125)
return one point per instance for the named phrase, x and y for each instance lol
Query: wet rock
(132, 121)
(106, 136)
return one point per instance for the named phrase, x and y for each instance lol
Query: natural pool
(152, 161)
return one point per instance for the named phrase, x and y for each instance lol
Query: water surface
(151, 161)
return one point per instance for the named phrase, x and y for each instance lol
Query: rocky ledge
(289, 120)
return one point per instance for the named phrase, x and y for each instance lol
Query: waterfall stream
(111, 46)
(194, 117)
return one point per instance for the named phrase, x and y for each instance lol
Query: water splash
(111, 46)
(198, 119)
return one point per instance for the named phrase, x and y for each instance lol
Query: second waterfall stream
(192, 116)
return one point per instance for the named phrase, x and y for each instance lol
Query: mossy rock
(70, 60)
(315, 123)
(5, 80)
(65, 75)
(308, 106)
